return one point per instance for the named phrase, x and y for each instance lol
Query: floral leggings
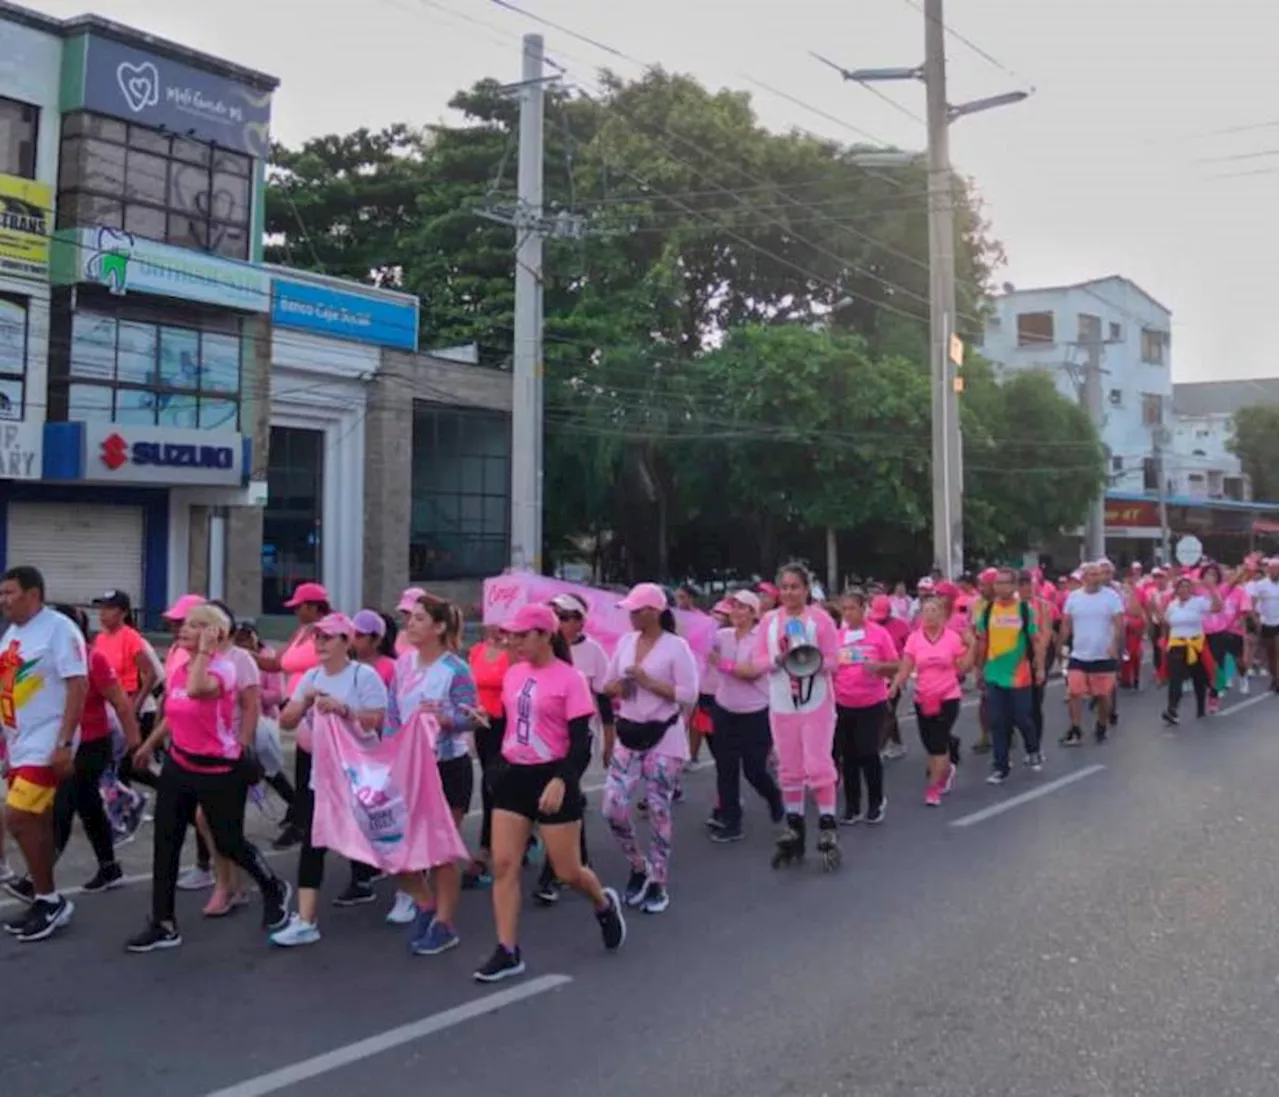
(660, 774)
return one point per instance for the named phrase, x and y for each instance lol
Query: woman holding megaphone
(799, 641)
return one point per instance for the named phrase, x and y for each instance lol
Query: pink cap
(748, 598)
(767, 588)
(1078, 575)
(307, 592)
(946, 589)
(531, 618)
(925, 584)
(409, 599)
(723, 607)
(988, 575)
(963, 603)
(184, 605)
(335, 624)
(644, 596)
(881, 608)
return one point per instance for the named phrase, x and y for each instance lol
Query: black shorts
(457, 778)
(935, 731)
(518, 789)
(1092, 666)
(1269, 632)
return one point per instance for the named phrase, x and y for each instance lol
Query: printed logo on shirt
(17, 683)
(524, 711)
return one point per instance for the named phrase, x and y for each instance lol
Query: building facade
(1203, 465)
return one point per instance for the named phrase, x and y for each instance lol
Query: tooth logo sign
(115, 451)
(140, 84)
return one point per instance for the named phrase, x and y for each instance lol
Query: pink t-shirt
(898, 631)
(1235, 604)
(298, 657)
(386, 668)
(935, 662)
(202, 725)
(540, 703)
(734, 694)
(856, 686)
(670, 661)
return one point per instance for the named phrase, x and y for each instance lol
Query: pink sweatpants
(803, 742)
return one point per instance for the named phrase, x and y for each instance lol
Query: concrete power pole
(948, 471)
(1091, 400)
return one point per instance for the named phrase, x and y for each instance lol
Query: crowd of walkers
(798, 695)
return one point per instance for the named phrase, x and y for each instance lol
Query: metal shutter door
(82, 549)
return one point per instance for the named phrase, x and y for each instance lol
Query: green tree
(1254, 433)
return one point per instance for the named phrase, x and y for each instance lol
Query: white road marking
(385, 1041)
(1026, 797)
(1246, 703)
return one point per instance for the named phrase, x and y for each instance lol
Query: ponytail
(667, 620)
(559, 648)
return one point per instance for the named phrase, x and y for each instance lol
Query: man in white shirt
(1093, 627)
(1266, 604)
(43, 683)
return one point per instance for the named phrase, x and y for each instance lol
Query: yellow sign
(26, 215)
(957, 350)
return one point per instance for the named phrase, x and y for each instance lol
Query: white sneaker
(404, 911)
(195, 878)
(6, 873)
(297, 932)
(1244, 691)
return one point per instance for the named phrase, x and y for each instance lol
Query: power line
(977, 49)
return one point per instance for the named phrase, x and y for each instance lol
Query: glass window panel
(88, 403)
(220, 363)
(10, 398)
(187, 232)
(218, 414)
(136, 358)
(189, 190)
(177, 411)
(151, 141)
(102, 167)
(145, 221)
(230, 198)
(13, 337)
(179, 358)
(111, 129)
(471, 514)
(232, 162)
(146, 177)
(231, 241)
(135, 407)
(192, 151)
(89, 209)
(93, 346)
(495, 514)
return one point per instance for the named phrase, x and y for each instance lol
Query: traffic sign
(1188, 551)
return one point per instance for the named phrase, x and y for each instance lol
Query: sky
(1119, 163)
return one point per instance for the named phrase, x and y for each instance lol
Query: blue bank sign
(341, 314)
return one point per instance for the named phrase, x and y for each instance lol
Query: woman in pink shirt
(203, 770)
(880, 611)
(310, 603)
(1224, 632)
(545, 745)
(937, 656)
(374, 644)
(655, 675)
(868, 656)
(802, 713)
(742, 738)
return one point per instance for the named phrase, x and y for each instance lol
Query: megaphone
(802, 661)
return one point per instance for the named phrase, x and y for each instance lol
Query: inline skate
(790, 849)
(829, 844)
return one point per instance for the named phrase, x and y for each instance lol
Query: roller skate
(790, 849)
(829, 844)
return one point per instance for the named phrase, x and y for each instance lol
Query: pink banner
(504, 594)
(379, 801)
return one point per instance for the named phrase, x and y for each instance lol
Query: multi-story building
(1202, 464)
(1053, 329)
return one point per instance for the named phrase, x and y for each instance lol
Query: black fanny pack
(246, 768)
(643, 735)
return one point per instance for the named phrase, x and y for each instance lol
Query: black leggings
(79, 795)
(740, 746)
(221, 796)
(125, 772)
(857, 751)
(311, 858)
(1179, 671)
(488, 751)
(1222, 644)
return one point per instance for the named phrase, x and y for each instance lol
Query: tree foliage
(736, 353)
(1255, 440)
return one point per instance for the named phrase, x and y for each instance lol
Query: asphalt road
(1107, 928)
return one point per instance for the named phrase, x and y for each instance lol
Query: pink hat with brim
(748, 598)
(336, 624)
(184, 605)
(724, 607)
(644, 596)
(307, 592)
(531, 618)
(767, 588)
(881, 608)
(409, 599)
(988, 575)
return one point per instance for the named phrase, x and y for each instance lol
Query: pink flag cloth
(379, 801)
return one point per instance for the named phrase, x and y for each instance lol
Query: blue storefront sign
(125, 82)
(339, 314)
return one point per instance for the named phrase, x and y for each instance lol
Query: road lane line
(1026, 797)
(1246, 703)
(291, 1075)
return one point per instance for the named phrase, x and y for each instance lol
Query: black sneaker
(107, 877)
(22, 889)
(17, 924)
(851, 817)
(355, 895)
(1073, 738)
(152, 938)
(275, 905)
(1170, 718)
(715, 821)
(1100, 734)
(288, 837)
(636, 883)
(656, 898)
(728, 834)
(45, 918)
(503, 964)
(547, 893)
(876, 814)
(613, 926)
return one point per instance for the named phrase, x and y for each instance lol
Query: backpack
(1024, 611)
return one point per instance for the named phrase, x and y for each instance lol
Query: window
(137, 373)
(156, 185)
(1088, 328)
(1115, 333)
(19, 123)
(1154, 345)
(1117, 464)
(1150, 474)
(1152, 410)
(13, 355)
(1035, 329)
(1116, 397)
(460, 494)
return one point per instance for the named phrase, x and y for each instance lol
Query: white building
(1201, 465)
(1050, 328)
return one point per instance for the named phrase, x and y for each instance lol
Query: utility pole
(1158, 439)
(947, 449)
(1091, 399)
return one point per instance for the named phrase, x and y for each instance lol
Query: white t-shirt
(1186, 619)
(36, 659)
(150, 704)
(1093, 622)
(356, 685)
(1266, 597)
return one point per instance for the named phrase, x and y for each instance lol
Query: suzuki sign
(163, 456)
